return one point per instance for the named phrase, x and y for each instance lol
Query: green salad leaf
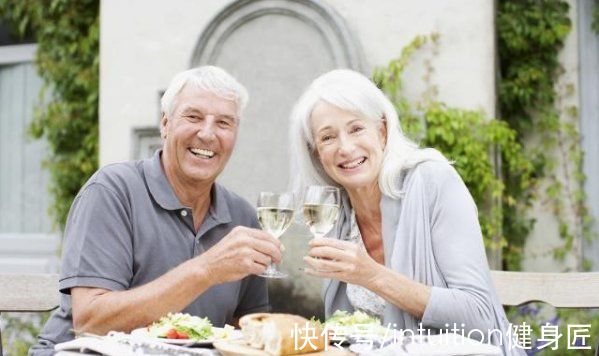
(356, 323)
(194, 327)
(343, 318)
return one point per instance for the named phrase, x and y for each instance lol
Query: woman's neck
(366, 201)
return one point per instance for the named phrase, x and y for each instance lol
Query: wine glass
(275, 214)
(321, 208)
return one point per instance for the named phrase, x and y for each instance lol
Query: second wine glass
(275, 214)
(321, 208)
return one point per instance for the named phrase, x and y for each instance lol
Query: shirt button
(183, 212)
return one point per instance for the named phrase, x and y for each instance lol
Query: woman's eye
(357, 129)
(326, 138)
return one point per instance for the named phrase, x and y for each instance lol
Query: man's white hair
(210, 78)
(355, 93)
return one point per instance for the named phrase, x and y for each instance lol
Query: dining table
(121, 344)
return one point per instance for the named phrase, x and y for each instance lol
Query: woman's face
(350, 147)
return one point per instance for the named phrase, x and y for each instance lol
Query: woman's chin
(354, 183)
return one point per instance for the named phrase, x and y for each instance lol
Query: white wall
(144, 43)
(544, 237)
(464, 66)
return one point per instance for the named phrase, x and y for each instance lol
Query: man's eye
(224, 123)
(326, 138)
(357, 129)
(193, 118)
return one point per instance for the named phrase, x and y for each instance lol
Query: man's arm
(99, 310)
(242, 252)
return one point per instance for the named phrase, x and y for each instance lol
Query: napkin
(121, 344)
(444, 344)
(104, 346)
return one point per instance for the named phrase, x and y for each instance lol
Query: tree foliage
(67, 59)
(531, 34)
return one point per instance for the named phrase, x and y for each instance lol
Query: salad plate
(219, 334)
(186, 330)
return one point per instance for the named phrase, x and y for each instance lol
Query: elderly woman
(408, 247)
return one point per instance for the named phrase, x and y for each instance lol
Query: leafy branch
(67, 59)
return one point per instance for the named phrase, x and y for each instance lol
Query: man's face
(199, 135)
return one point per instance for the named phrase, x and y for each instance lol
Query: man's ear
(163, 126)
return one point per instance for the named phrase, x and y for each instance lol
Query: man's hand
(242, 252)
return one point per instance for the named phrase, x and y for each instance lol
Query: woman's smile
(352, 164)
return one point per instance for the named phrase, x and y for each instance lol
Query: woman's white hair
(353, 92)
(210, 78)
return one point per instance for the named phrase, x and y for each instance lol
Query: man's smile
(202, 153)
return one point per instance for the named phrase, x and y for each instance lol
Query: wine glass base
(274, 274)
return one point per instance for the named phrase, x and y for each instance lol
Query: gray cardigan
(432, 236)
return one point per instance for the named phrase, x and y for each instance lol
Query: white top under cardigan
(432, 236)
(359, 297)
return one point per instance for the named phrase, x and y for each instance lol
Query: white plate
(142, 333)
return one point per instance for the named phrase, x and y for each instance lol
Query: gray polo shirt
(126, 228)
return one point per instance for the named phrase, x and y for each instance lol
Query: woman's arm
(459, 254)
(349, 263)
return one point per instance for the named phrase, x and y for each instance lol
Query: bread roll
(279, 333)
(276, 333)
(251, 327)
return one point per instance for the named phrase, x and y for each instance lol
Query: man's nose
(206, 129)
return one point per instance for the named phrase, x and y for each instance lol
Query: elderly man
(150, 237)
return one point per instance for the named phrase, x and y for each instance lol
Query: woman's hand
(342, 260)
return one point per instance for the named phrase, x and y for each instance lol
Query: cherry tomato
(172, 334)
(182, 335)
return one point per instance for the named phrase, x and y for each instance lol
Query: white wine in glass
(275, 214)
(320, 218)
(275, 220)
(321, 208)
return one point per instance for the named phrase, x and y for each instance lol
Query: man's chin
(202, 177)
(198, 171)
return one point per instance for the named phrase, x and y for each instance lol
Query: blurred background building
(275, 48)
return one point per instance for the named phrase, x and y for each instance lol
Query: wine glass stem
(271, 268)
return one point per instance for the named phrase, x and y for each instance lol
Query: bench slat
(28, 292)
(562, 290)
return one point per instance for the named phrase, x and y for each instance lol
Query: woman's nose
(346, 145)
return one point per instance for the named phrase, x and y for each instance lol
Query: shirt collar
(163, 193)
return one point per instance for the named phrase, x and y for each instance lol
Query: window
(27, 243)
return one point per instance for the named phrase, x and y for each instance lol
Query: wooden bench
(561, 290)
(28, 293)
